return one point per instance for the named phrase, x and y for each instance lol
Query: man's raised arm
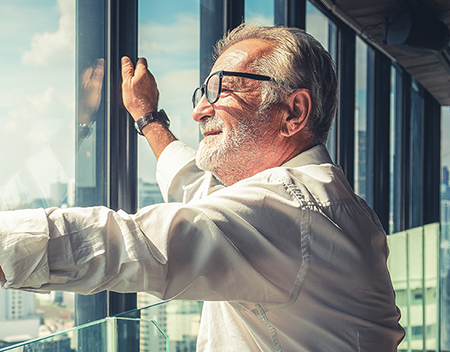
(140, 96)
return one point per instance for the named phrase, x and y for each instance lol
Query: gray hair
(297, 61)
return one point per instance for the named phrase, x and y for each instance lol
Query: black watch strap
(149, 118)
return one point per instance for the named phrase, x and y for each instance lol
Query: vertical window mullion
(290, 13)
(345, 120)
(432, 132)
(380, 147)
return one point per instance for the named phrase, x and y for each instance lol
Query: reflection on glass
(37, 139)
(360, 176)
(259, 11)
(325, 31)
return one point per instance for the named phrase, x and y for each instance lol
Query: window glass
(395, 156)
(325, 31)
(169, 34)
(445, 229)
(260, 12)
(169, 37)
(360, 174)
(37, 139)
(416, 155)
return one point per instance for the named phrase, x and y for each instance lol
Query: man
(286, 257)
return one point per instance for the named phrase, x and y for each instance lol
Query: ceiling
(367, 18)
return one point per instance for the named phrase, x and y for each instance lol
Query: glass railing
(414, 265)
(151, 328)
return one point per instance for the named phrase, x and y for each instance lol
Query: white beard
(235, 152)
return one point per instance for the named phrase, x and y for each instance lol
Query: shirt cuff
(23, 248)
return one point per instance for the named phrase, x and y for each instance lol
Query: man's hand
(139, 91)
(91, 91)
(2, 275)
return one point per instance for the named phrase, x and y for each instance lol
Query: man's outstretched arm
(140, 96)
(2, 275)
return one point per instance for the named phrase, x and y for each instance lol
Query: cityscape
(25, 315)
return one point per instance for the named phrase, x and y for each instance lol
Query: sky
(37, 96)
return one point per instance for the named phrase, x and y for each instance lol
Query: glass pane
(325, 31)
(395, 152)
(431, 276)
(416, 155)
(445, 229)
(317, 24)
(37, 139)
(175, 330)
(69, 340)
(360, 183)
(398, 268)
(260, 12)
(416, 289)
(169, 35)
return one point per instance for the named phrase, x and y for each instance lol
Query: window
(416, 155)
(396, 158)
(325, 31)
(260, 12)
(445, 229)
(360, 156)
(169, 37)
(37, 137)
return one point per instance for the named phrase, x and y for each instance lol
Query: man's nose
(203, 109)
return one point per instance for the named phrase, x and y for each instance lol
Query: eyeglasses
(213, 85)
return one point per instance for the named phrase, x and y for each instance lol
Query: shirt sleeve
(178, 175)
(223, 247)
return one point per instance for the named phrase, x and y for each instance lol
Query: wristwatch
(149, 118)
(84, 131)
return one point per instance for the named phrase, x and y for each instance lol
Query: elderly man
(286, 256)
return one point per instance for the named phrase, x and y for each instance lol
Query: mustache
(211, 124)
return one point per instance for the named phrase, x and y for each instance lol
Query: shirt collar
(314, 156)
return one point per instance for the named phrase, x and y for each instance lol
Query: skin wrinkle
(245, 133)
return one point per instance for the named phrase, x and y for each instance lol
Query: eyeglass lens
(212, 88)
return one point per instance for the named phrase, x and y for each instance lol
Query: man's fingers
(127, 69)
(99, 70)
(141, 67)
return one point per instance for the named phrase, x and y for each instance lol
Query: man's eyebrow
(233, 82)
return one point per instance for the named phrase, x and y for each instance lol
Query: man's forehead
(240, 55)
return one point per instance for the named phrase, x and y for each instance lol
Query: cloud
(176, 41)
(56, 48)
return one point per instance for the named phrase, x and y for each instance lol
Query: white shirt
(287, 260)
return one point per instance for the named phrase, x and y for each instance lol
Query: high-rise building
(18, 317)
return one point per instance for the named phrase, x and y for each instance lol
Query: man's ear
(295, 118)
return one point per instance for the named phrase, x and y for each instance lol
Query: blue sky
(37, 88)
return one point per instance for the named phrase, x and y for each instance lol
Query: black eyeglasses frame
(203, 87)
